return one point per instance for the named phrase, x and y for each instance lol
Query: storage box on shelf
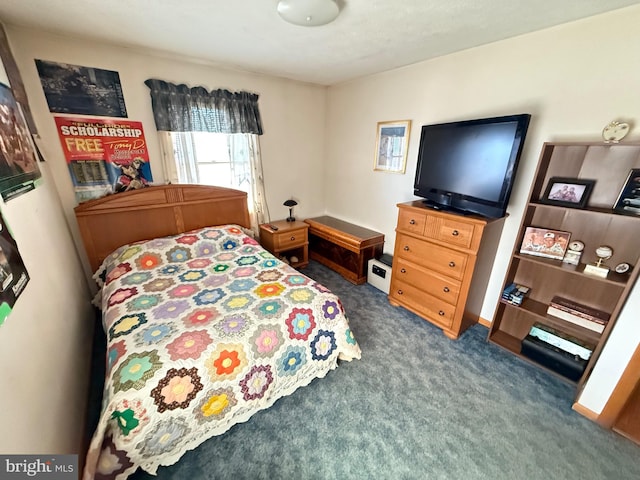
(595, 225)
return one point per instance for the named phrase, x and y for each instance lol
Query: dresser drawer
(434, 257)
(434, 309)
(289, 239)
(453, 232)
(437, 285)
(412, 221)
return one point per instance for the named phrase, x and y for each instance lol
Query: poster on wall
(18, 163)
(81, 90)
(104, 156)
(13, 274)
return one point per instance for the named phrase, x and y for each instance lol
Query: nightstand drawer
(291, 238)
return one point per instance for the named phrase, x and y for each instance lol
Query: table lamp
(290, 203)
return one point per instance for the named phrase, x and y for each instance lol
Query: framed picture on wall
(392, 140)
(18, 162)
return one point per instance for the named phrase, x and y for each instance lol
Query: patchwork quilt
(203, 330)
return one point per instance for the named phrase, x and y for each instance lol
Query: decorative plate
(615, 131)
(623, 267)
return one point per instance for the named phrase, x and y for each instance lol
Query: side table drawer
(437, 285)
(436, 310)
(293, 238)
(434, 257)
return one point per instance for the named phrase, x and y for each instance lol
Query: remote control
(273, 227)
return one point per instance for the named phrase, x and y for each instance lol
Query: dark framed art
(18, 163)
(568, 192)
(629, 198)
(81, 90)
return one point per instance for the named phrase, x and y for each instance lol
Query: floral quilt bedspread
(203, 330)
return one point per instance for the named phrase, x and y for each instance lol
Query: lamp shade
(290, 203)
(308, 12)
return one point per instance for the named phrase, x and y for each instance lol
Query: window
(219, 159)
(211, 137)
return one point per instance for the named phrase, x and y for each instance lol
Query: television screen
(469, 166)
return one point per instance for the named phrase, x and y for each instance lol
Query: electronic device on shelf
(469, 166)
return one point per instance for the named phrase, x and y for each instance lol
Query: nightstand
(289, 240)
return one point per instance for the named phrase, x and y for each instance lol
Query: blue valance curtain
(179, 108)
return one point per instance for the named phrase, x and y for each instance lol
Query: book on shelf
(562, 340)
(514, 293)
(554, 358)
(580, 309)
(579, 320)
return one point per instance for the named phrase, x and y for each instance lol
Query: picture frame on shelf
(544, 242)
(628, 201)
(392, 141)
(568, 192)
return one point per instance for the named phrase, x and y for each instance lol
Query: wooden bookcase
(596, 224)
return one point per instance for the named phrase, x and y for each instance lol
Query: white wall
(45, 341)
(293, 113)
(573, 79)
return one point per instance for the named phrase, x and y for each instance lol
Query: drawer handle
(403, 270)
(293, 238)
(400, 292)
(406, 248)
(452, 264)
(455, 233)
(441, 313)
(412, 222)
(445, 289)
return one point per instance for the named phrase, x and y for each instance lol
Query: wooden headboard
(115, 220)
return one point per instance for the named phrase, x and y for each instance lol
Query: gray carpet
(417, 405)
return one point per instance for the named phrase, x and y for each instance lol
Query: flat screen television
(469, 166)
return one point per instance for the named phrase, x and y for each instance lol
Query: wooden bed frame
(110, 222)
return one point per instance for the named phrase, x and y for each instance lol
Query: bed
(204, 327)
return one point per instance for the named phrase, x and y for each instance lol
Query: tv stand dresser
(441, 265)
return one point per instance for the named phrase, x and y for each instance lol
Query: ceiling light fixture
(309, 13)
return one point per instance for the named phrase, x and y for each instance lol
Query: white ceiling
(369, 36)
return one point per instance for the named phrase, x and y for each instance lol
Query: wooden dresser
(441, 265)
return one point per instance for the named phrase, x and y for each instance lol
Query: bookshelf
(595, 224)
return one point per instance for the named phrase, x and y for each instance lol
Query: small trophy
(600, 269)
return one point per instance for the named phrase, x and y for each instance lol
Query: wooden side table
(289, 240)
